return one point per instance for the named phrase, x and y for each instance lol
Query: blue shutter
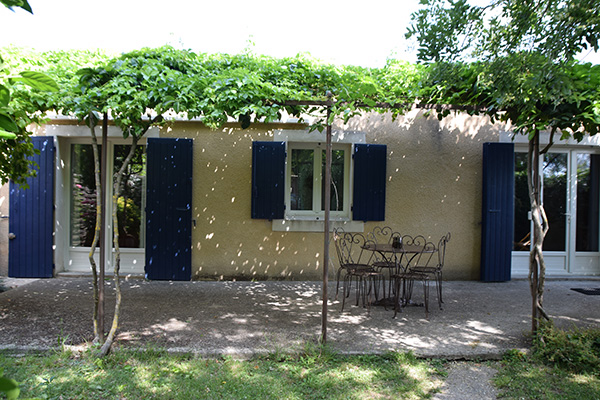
(268, 165)
(31, 218)
(497, 211)
(369, 182)
(169, 209)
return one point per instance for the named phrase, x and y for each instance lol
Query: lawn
(561, 365)
(155, 374)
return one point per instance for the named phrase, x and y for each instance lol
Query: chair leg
(440, 280)
(345, 288)
(397, 297)
(337, 288)
(426, 296)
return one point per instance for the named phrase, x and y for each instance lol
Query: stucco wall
(434, 187)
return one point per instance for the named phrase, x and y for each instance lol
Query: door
(497, 212)
(81, 199)
(32, 218)
(570, 191)
(169, 209)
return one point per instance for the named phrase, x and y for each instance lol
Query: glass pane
(83, 200)
(301, 195)
(555, 200)
(130, 203)
(522, 205)
(588, 177)
(337, 180)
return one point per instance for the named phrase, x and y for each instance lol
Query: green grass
(154, 374)
(525, 378)
(562, 365)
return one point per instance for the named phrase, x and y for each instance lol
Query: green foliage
(566, 97)
(576, 350)
(9, 387)
(315, 373)
(17, 3)
(17, 112)
(150, 86)
(455, 29)
(525, 73)
(540, 374)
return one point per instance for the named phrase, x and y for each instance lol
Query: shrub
(577, 350)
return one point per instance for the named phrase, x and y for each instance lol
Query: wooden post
(326, 229)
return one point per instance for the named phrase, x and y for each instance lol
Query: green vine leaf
(39, 81)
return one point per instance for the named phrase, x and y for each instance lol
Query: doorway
(80, 198)
(570, 192)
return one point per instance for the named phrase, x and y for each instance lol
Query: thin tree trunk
(117, 190)
(537, 265)
(98, 336)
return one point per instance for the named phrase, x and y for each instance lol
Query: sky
(333, 31)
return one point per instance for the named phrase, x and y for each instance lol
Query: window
(288, 182)
(83, 196)
(305, 181)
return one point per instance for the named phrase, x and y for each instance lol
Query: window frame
(312, 224)
(317, 213)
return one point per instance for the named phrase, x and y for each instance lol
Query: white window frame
(568, 261)
(312, 221)
(316, 213)
(75, 259)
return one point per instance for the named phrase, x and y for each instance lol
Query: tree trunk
(537, 266)
(117, 190)
(98, 336)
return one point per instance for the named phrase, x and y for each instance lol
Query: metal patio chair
(354, 264)
(379, 261)
(405, 278)
(434, 265)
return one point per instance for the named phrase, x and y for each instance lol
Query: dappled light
(230, 317)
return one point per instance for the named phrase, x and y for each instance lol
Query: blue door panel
(497, 212)
(169, 209)
(31, 218)
(369, 182)
(268, 180)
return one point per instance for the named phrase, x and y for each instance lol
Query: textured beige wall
(434, 187)
(434, 180)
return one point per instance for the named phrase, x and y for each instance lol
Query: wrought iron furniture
(426, 265)
(401, 256)
(380, 261)
(419, 249)
(354, 264)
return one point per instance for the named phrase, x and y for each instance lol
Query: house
(246, 204)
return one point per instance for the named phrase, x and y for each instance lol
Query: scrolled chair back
(349, 246)
(381, 234)
(419, 240)
(441, 249)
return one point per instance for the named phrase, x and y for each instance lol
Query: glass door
(130, 207)
(570, 196)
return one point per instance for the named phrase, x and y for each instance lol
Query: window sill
(284, 225)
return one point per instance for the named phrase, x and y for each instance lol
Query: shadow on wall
(434, 178)
(434, 187)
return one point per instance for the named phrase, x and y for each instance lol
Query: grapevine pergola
(215, 88)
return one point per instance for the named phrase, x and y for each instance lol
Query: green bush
(577, 350)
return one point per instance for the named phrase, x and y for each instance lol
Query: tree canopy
(154, 85)
(525, 73)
